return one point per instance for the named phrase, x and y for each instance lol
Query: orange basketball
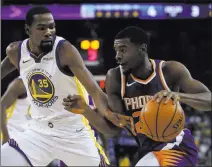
(162, 122)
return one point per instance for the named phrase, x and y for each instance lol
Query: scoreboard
(91, 51)
(119, 10)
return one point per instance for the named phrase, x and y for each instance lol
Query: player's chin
(125, 69)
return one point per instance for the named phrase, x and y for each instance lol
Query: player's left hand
(174, 96)
(121, 121)
(75, 104)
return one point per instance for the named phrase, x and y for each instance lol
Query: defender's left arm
(196, 95)
(71, 57)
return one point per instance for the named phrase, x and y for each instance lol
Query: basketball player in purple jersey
(138, 79)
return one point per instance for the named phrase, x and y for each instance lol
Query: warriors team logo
(41, 89)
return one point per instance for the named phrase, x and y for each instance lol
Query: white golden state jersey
(19, 111)
(18, 115)
(47, 84)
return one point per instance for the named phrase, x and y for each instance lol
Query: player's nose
(119, 58)
(48, 33)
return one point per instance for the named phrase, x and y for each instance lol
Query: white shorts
(45, 141)
(172, 157)
(148, 160)
(17, 127)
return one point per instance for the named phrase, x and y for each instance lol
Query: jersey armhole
(123, 83)
(160, 71)
(65, 70)
(19, 54)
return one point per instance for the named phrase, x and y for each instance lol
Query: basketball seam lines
(172, 133)
(147, 124)
(170, 121)
(157, 119)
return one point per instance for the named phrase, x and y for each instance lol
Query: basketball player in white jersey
(50, 68)
(17, 110)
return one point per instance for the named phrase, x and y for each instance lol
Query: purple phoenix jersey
(135, 92)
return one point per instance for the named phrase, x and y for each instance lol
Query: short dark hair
(135, 34)
(34, 11)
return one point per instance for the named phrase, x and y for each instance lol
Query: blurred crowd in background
(187, 41)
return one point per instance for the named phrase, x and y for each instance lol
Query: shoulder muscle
(70, 56)
(12, 52)
(181, 76)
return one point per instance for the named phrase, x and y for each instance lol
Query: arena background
(178, 31)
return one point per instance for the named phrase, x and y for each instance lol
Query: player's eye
(123, 50)
(41, 28)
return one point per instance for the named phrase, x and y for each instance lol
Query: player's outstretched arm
(14, 90)
(10, 63)
(70, 56)
(77, 105)
(196, 94)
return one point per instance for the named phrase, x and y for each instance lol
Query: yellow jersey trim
(82, 92)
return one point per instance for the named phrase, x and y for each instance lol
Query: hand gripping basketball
(162, 121)
(168, 95)
(121, 121)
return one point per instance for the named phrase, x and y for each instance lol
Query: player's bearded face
(46, 45)
(43, 32)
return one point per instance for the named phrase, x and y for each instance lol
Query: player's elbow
(208, 104)
(13, 47)
(204, 102)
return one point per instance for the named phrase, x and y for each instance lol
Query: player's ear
(143, 47)
(27, 29)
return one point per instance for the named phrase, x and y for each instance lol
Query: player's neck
(36, 51)
(144, 70)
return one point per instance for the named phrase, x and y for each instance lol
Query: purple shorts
(181, 151)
